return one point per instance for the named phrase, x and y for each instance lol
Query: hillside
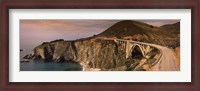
(130, 28)
(172, 28)
(166, 35)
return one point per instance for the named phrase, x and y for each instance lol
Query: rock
(22, 50)
(96, 53)
(101, 54)
(91, 54)
(26, 60)
(139, 66)
(57, 51)
(43, 51)
(146, 67)
(28, 56)
(121, 68)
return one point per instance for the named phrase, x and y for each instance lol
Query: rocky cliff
(93, 53)
(57, 51)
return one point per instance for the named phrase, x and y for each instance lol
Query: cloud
(39, 31)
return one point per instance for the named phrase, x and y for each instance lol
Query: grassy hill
(166, 35)
(172, 28)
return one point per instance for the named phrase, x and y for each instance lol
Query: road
(166, 62)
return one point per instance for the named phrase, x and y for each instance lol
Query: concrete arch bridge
(166, 61)
(132, 47)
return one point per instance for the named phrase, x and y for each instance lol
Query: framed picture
(100, 45)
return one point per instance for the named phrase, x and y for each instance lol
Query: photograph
(99, 45)
(132, 45)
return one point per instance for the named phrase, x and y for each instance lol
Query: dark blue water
(39, 65)
(35, 65)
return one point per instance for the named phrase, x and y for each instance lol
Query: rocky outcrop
(28, 56)
(99, 53)
(57, 51)
(93, 53)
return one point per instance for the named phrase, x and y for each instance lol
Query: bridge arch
(137, 51)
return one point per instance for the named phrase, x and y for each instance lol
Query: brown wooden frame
(99, 4)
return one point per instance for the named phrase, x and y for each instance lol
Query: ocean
(39, 65)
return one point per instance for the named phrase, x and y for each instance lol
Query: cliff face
(94, 53)
(56, 51)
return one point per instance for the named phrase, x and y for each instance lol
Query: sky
(35, 32)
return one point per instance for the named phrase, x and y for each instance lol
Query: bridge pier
(129, 46)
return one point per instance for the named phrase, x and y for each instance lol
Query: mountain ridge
(139, 31)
